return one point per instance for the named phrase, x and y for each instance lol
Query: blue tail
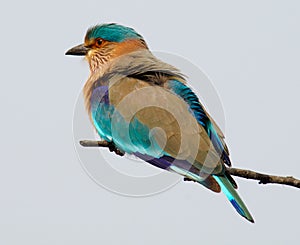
(233, 197)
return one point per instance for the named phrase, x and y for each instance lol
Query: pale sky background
(249, 49)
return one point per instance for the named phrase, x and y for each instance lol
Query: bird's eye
(99, 41)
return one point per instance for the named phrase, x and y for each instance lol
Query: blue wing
(201, 115)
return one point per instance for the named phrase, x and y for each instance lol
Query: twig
(102, 143)
(247, 174)
(265, 178)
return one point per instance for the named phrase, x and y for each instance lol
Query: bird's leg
(185, 178)
(112, 148)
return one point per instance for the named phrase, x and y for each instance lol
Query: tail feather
(232, 181)
(228, 189)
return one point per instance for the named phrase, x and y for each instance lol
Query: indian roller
(144, 106)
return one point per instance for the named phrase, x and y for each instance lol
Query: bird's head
(107, 41)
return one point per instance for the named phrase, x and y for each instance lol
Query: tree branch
(242, 173)
(102, 143)
(265, 178)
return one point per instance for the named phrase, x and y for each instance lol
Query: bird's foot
(112, 148)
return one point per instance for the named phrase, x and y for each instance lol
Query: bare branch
(265, 178)
(102, 143)
(243, 173)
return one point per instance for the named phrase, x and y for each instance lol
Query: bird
(143, 106)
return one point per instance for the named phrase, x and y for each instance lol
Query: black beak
(79, 50)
